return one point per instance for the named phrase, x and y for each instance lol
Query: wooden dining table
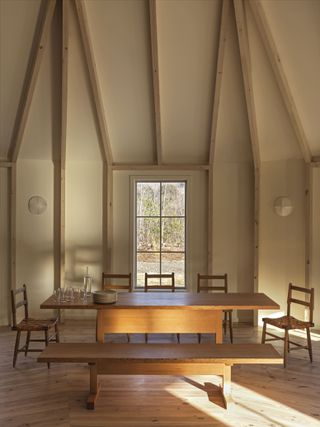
(165, 312)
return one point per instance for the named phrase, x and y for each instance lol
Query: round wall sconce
(37, 205)
(283, 206)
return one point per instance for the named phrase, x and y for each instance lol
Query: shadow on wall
(78, 258)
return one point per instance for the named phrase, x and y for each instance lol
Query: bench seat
(160, 359)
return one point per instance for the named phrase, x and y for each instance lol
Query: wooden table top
(178, 300)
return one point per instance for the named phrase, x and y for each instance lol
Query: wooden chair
(30, 325)
(210, 287)
(149, 286)
(119, 286)
(289, 322)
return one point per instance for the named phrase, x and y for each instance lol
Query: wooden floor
(32, 395)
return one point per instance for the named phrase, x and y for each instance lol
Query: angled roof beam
(282, 81)
(218, 79)
(155, 76)
(39, 42)
(247, 78)
(59, 157)
(104, 140)
(248, 90)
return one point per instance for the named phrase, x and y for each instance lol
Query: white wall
(233, 211)
(34, 256)
(315, 242)
(83, 236)
(282, 239)
(4, 247)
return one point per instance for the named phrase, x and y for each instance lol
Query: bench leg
(94, 386)
(226, 385)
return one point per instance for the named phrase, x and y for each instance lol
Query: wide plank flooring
(264, 395)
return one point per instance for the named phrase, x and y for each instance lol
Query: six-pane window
(160, 229)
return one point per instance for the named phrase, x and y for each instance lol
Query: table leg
(94, 386)
(218, 326)
(99, 326)
(226, 385)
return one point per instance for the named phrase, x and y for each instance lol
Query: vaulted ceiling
(175, 105)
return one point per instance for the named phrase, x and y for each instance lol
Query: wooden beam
(12, 223)
(59, 162)
(315, 159)
(210, 220)
(308, 223)
(5, 164)
(248, 88)
(155, 75)
(104, 141)
(107, 218)
(218, 78)
(282, 81)
(39, 42)
(176, 166)
(214, 121)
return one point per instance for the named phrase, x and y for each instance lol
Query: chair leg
(309, 344)
(264, 330)
(285, 353)
(128, 337)
(46, 338)
(16, 348)
(178, 338)
(225, 323)
(27, 343)
(56, 329)
(230, 327)
(146, 337)
(199, 338)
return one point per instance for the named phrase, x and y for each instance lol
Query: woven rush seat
(36, 324)
(305, 297)
(48, 326)
(288, 322)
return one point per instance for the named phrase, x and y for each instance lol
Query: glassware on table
(87, 282)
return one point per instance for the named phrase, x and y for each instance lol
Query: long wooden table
(165, 312)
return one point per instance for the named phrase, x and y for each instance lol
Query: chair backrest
(117, 286)
(149, 286)
(17, 304)
(203, 285)
(302, 301)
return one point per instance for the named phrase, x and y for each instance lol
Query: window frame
(133, 217)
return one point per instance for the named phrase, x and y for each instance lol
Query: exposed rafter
(59, 157)
(155, 75)
(39, 42)
(282, 81)
(104, 141)
(218, 79)
(247, 80)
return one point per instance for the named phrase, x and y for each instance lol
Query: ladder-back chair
(205, 283)
(149, 286)
(115, 285)
(289, 322)
(29, 325)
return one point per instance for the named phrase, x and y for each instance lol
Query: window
(160, 230)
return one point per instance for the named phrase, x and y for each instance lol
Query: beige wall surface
(282, 239)
(233, 226)
(83, 236)
(315, 242)
(34, 256)
(4, 247)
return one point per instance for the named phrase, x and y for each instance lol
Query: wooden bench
(160, 359)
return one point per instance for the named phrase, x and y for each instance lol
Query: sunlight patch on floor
(249, 407)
